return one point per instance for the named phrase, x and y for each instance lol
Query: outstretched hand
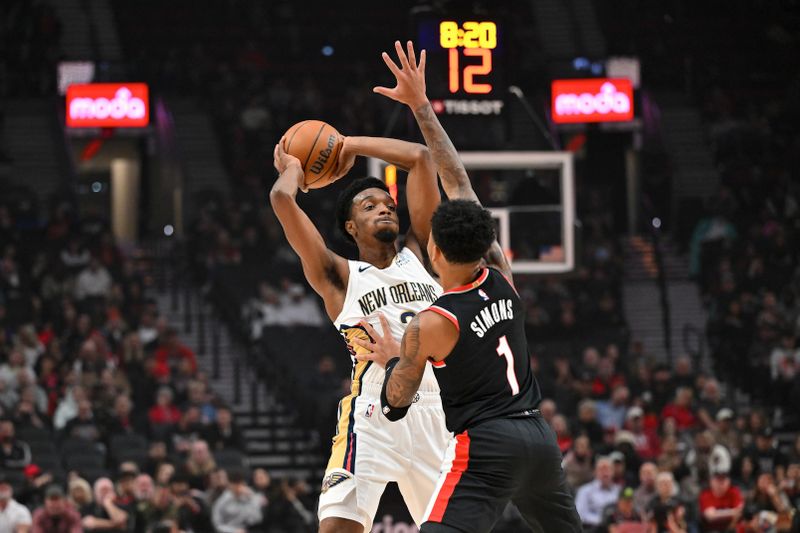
(383, 347)
(410, 76)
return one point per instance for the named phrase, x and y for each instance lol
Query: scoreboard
(465, 75)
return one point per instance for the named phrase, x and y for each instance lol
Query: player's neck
(458, 276)
(378, 256)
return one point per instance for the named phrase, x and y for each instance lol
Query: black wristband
(392, 413)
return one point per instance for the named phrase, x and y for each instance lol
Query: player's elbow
(279, 198)
(422, 155)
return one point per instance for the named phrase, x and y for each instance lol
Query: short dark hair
(463, 230)
(344, 203)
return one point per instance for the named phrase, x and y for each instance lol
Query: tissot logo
(592, 100)
(108, 105)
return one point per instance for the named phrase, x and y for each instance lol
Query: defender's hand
(346, 159)
(410, 89)
(384, 346)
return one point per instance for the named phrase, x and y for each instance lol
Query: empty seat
(230, 459)
(34, 434)
(74, 446)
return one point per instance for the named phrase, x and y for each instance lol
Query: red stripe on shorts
(460, 463)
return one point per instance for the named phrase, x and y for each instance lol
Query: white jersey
(368, 450)
(399, 291)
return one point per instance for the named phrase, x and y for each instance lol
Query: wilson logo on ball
(107, 105)
(319, 163)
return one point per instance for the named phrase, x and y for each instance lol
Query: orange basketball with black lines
(317, 145)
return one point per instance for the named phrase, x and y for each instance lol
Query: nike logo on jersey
(363, 268)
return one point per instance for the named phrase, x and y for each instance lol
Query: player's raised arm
(326, 271)
(410, 90)
(422, 192)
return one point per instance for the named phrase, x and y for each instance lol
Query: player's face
(375, 213)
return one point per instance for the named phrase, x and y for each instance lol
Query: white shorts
(369, 451)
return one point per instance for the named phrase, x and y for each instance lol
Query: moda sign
(108, 105)
(592, 100)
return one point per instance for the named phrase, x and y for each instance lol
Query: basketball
(316, 144)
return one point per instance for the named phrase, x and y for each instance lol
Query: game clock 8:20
(478, 39)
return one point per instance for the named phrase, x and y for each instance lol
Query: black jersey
(487, 374)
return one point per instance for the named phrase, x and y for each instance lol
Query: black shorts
(502, 460)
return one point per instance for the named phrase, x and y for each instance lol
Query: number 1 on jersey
(504, 350)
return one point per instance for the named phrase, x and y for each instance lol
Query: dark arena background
(165, 367)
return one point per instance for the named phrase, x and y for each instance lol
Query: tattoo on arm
(454, 176)
(407, 375)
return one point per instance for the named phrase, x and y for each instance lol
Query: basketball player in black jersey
(474, 335)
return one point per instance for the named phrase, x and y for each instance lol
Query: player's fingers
(387, 330)
(422, 58)
(365, 344)
(401, 54)
(412, 57)
(365, 357)
(385, 91)
(371, 331)
(391, 64)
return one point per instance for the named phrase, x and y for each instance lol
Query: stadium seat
(230, 459)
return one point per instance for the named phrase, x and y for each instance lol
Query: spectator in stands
(199, 397)
(29, 344)
(587, 423)
(126, 498)
(80, 495)
(143, 487)
(14, 517)
(238, 508)
(721, 504)
(187, 431)
(298, 309)
(224, 433)
(105, 513)
(611, 413)
(645, 441)
(163, 414)
(710, 404)
(578, 462)
(94, 281)
(563, 436)
(10, 371)
(667, 509)
(84, 425)
(593, 497)
(290, 507)
(68, 406)
(123, 419)
(681, 410)
(171, 352)
(766, 457)
(767, 496)
(707, 454)
(200, 464)
(156, 455)
(646, 490)
(164, 473)
(14, 453)
(216, 484)
(75, 256)
(622, 516)
(57, 515)
(192, 512)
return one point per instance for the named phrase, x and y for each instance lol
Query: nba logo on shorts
(483, 295)
(370, 408)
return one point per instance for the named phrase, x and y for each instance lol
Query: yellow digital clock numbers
(472, 35)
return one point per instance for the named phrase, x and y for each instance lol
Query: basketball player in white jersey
(385, 284)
